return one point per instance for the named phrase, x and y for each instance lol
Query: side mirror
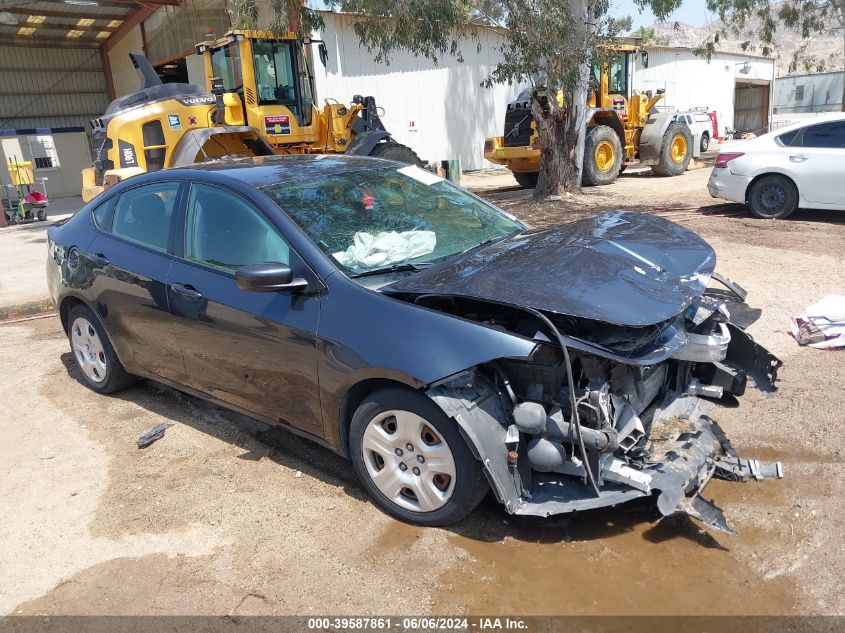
(324, 54)
(268, 277)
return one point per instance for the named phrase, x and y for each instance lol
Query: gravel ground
(226, 516)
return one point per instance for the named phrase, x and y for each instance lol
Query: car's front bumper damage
(645, 432)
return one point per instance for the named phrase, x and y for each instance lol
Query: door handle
(186, 291)
(99, 260)
(798, 158)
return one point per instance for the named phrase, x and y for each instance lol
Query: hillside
(830, 48)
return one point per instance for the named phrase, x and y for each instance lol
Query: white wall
(441, 111)
(693, 82)
(73, 153)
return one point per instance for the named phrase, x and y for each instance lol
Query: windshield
(276, 77)
(374, 219)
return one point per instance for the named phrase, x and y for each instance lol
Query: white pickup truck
(698, 123)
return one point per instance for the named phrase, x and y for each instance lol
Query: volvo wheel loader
(258, 100)
(622, 129)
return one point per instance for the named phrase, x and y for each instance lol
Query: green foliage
(650, 37)
(286, 15)
(807, 18)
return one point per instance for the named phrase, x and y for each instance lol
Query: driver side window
(225, 231)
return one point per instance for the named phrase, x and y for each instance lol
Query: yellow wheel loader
(258, 100)
(622, 129)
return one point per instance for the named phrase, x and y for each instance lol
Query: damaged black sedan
(436, 341)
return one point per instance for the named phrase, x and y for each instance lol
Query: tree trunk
(558, 134)
(562, 130)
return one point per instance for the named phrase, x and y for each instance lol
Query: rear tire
(675, 151)
(528, 180)
(391, 150)
(602, 156)
(93, 352)
(413, 490)
(705, 142)
(773, 197)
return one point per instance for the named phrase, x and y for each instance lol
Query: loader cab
(268, 79)
(609, 80)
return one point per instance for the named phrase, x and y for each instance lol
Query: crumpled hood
(631, 269)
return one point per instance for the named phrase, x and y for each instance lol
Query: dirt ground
(226, 516)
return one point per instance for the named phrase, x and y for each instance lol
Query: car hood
(620, 267)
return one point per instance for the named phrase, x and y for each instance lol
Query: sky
(692, 12)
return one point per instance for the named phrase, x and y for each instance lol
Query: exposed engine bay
(601, 414)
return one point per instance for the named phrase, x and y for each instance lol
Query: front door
(819, 162)
(133, 258)
(254, 350)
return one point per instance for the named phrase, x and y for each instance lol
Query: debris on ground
(822, 325)
(153, 435)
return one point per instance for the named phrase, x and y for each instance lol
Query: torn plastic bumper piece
(737, 469)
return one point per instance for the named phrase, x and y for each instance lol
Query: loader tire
(602, 156)
(675, 151)
(391, 150)
(527, 180)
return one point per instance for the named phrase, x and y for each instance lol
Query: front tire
(527, 180)
(412, 459)
(602, 156)
(93, 352)
(675, 151)
(391, 150)
(773, 197)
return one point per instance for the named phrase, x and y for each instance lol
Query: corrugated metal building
(809, 94)
(441, 110)
(55, 77)
(50, 87)
(737, 87)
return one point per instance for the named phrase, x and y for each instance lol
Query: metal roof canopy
(76, 23)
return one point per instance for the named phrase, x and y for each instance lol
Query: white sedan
(800, 165)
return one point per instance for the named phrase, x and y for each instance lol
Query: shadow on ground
(489, 523)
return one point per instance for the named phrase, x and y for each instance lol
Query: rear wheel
(602, 156)
(705, 142)
(412, 459)
(527, 179)
(391, 150)
(772, 197)
(675, 151)
(93, 352)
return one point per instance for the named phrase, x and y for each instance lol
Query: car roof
(260, 171)
(811, 120)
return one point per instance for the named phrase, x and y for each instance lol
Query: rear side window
(143, 215)
(102, 214)
(788, 138)
(827, 135)
(226, 232)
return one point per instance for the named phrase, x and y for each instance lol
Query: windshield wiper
(396, 268)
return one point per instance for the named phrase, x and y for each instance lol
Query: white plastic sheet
(386, 248)
(822, 325)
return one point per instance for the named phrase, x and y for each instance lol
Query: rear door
(817, 158)
(132, 251)
(254, 350)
